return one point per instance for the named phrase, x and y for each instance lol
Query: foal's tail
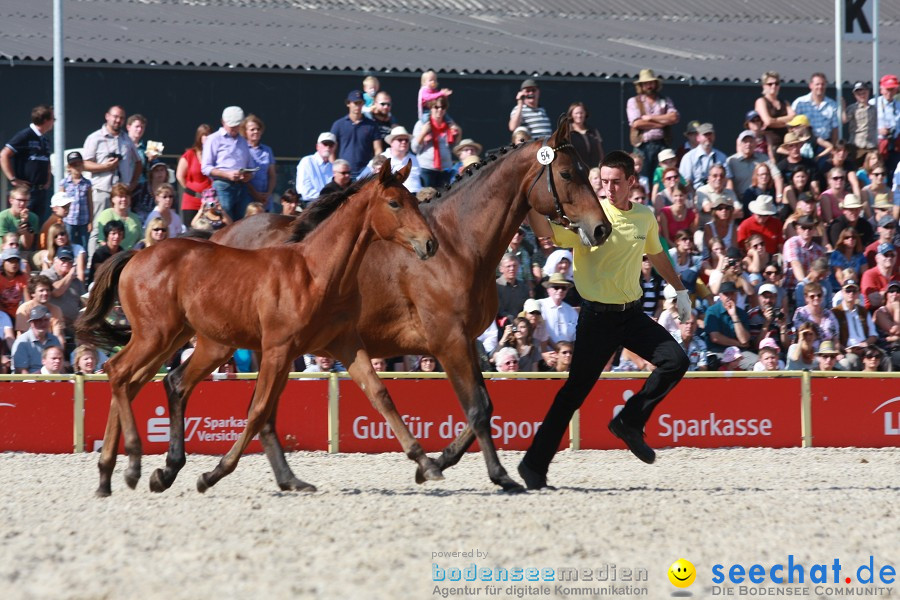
(93, 326)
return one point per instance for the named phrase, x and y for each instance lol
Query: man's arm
(6, 164)
(663, 266)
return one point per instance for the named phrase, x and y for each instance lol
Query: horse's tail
(92, 326)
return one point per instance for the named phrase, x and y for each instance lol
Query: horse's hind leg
(273, 372)
(462, 363)
(360, 369)
(179, 384)
(284, 476)
(107, 461)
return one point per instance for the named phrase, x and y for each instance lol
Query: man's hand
(683, 305)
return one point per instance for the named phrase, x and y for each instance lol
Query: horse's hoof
(511, 486)
(132, 478)
(432, 473)
(157, 484)
(202, 486)
(420, 475)
(103, 492)
(297, 485)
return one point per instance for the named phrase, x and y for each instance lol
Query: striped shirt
(78, 209)
(823, 117)
(535, 120)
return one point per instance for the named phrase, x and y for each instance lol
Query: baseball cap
(807, 221)
(531, 305)
(692, 127)
(860, 85)
(751, 114)
(885, 247)
(9, 254)
(799, 120)
(38, 312)
(665, 154)
(885, 221)
(769, 343)
(528, 83)
(60, 199)
(326, 136)
(733, 252)
(354, 96)
(232, 116)
(768, 287)
(73, 156)
(706, 128)
(65, 253)
(892, 284)
(731, 353)
(746, 133)
(850, 283)
(727, 287)
(890, 81)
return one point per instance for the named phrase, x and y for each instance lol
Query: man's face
(767, 299)
(886, 233)
(649, 87)
(862, 96)
(687, 328)
(42, 294)
(793, 149)
(62, 266)
(508, 269)
(761, 219)
(61, 211)
(136, 130)
(115, 118)
(850, 295)
(342, 175)
(769, 359)
(826, 361)
(817, 86)
(888, 92)
(325, 363)
(532, 96)
(17, 203)
(852, 214)
(324, 149)
(40, 326)
(114, 239)
(47, 125)
(52, 361)
(557, 293)
(745, 146)
(231, 130)
(707, 139)
(400, 146)
(614, 184)
(354, 109)
(805, 232)
(886, 261)
(382, 104)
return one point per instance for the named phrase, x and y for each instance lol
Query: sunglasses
(384, 103)
(837, 178)
(772, 83)
(159, 229)
(558, 287)
(669, 177)
(770, 272)
(811, 296)
(872, 356)
(342, 172)
(807, 227)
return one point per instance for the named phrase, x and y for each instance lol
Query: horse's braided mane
(321, 209)
(472, 170)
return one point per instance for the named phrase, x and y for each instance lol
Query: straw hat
(646, 76)
(557, 279)
(851, 201)
(467, 143)
(764, 205)
(791, 138)
(397, 132)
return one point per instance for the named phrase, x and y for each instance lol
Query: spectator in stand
(677, 217)
(52, 361)
(652, 284)
(426, 363)
(793, 160)
(212, 217)
(690, 142)
(398, 154)
(762, 183)
(59, 239)
(694, 347)
(13, 282)
(868, 163)
(507, 360)
(826, 357)
(801, 356)
(357, 137)
(519, 136)
(818, 273)
(663, 198)
(856, 327)
(370, 86)
(559, 317)
(532, 312)
(887, 323)
(381, 115)
(756, 258)
(888, 109)
(726, 324)
(816, 313)
(774, 112)
(432, 142)
(155, 232)
(86, 360)
(768, 356)
(25, 159)
(314, 171)
(754, 124)
(763, 222)
(887, 230)
(768, 319)
(773, 276)
(79, 188)
(59, 205)
(800, 251)
(798, 184)
(380, 365)
(847, 254)
(341, 178)
(873, 361)
(111, 157)
(806, 206)
(651, 117)
(695, 165)
(528, 113)
(290, 202)
(121, 211)
(586, 140)
(11, 240)
(732, 269)
(464, 149)
(666, 160)
(262, 183)
(861, 119)
(840, 157)
(429, 91)
(722, 226)
(849, 218)
(143, 200)
(563, 357)
(512, 291)
(135, 126)
(190, 176)
(874, 281)
(821, 111)
(113, 234)
(29, 346)
(518, 335)
(832, 198)
(67, 289)
(743, 166)
(165, 197)
(226, 159)
(734, 360)
(322, 364)
(874, 189)
(39, 288)
(883, 208)
(19, 220)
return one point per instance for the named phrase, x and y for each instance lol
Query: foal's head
(564, 192)
(394, 213)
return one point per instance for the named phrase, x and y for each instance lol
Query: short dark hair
(290, 195)
(619, 160)
(41, 113)
(36, 280)
(136, 117)
(114, 225)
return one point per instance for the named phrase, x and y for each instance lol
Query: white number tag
(545, 155)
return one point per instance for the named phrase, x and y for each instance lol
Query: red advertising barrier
(855, 412)
(433, 414)
(702, 414)
(36, 417)
(215, 416)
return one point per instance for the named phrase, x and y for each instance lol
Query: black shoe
(633, 438)
(533, 479)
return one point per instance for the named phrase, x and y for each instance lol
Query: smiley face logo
(682, 573)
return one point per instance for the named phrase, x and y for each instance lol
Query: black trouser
(598, 336)
(651, 151)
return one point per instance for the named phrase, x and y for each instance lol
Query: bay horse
(284, 301)
(439, 307)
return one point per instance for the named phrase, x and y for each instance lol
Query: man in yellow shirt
(608, 278)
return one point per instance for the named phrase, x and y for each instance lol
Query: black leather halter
(561, 218)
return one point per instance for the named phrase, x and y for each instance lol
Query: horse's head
(562, 191)
(395, 213)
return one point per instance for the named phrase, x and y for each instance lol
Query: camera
(513, 328)
(528, 96)
(731, 262)
(779, 315)
(114, 155)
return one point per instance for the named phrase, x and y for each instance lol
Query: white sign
(858, 20)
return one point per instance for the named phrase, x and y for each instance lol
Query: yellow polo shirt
(611, 273)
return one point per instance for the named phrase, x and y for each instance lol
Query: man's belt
(603, 307)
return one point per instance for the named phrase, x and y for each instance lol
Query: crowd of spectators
(787, 242)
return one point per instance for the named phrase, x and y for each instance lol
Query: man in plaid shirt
(800, 251)
(81, 210)
(821, 111)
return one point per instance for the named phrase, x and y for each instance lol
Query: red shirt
(195, 180)
(770, 231)
(872, 281)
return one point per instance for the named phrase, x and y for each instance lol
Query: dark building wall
(297, 105)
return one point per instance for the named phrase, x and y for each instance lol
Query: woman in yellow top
(608, 278)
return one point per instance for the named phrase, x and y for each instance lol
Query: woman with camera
(822, 319)
(211, 216)
(518, 335)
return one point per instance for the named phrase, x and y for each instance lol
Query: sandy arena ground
(370, 532)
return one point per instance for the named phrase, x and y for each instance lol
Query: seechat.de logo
(682, 573)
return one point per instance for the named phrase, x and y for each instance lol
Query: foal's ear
(561, 134)
(401, 174)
